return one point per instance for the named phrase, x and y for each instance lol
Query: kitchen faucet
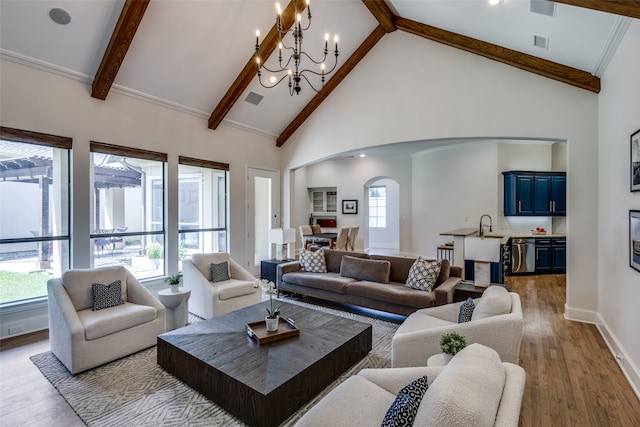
(490, 224)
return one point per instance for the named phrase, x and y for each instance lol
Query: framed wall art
(349, 206)
(634, 239)
(635, 161)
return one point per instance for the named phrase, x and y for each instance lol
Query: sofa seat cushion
(104, 322)
(234, 288)
(342, 407)
(392, 293)
(365, 269)
(421, 322)
(78, 283)
(467, 392)
(326, 281)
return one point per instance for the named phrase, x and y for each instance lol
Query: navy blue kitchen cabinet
(558, 255)
(551, 255)
(543, 255)
(534, 193)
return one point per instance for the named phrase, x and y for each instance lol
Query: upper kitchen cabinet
(323, 200)
(535, 193)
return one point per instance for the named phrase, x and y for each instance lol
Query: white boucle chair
(474, 389)
(497, 322)
(209, 299)
(82, 338)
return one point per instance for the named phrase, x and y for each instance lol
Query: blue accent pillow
(466, 311)
(403, 410)
(105, 296)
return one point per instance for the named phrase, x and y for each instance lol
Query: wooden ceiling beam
(382, 13)
(125, 29)
(543, 67)
(333, 83)
(629, 8)
(240, 84)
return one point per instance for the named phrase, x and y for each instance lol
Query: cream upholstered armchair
(218, 284)
(83, 338)
(497, 322)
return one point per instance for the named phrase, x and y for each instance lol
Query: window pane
(201, 242)
(142, 255)
(34, 218)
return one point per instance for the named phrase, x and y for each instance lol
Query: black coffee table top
(222, 343)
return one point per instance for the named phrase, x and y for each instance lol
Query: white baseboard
(629, 369)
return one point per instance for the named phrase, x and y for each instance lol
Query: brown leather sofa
(368, 281)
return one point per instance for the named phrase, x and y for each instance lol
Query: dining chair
(351, 240)
(341, 241)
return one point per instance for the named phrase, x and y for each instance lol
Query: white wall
(447, 93)
(619, 284)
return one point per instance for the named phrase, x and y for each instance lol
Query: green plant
(174, 280)
(268, 287)
(451, 343)
(154, 251)
(182, 251)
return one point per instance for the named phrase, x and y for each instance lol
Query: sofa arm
(65, 327)
(445, 292)
(455, 271)
(284, 268)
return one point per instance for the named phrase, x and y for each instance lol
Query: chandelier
(291, 67)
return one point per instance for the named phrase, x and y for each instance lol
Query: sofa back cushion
(365, 269)
(467, 392)
(399, 267)
(78, 283)
(203, 262)
(445, 271)
(333, 258)
(494, 301)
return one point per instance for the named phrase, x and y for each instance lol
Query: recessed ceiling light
(494, 2)
(363, 155)
(59, 16)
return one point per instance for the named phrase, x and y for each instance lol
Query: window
(128, 209)
(202, 207)
(34, 212)
(377, 207)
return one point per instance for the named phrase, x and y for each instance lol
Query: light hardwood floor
(572, 378)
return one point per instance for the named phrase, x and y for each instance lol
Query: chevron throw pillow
(105, 296)
(423, 274)
(313, 262)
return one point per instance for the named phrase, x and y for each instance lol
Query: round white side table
(177, 308)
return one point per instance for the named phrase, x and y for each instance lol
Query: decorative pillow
(494, 301)
(405, 406)
(466, 311)
(423, 274)
(220, 272)
(313, 262)
(365, 269)
(105, 296)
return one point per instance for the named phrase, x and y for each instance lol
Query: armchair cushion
(365, 269)
(423, 274)
(115, 319)
(494, 301)
(219, 272)
(105, 296)
(233, 288)
(78, 284)
(467, 393)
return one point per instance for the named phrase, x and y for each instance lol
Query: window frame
(376, 217)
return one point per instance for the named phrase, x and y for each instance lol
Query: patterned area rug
(136, 391)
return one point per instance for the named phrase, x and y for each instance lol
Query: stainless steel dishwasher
(523, 256)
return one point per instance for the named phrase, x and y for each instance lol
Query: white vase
(446, 358)
(272, 324)
(175, 288)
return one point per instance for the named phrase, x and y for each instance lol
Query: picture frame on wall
(349, 207)
(634, 239)
(635, 161)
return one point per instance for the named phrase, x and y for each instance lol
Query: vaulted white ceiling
(187, 53)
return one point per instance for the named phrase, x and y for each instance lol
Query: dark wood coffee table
(263, 384)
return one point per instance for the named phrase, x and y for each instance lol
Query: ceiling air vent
(540, 41)
(544, 7)
(254, 98)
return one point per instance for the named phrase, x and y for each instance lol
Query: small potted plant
(450, 344)
(273, 314)
(174, 282)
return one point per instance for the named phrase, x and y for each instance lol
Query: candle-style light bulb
(278, 9)
(299, 18)
(257, 38)
(336, 40)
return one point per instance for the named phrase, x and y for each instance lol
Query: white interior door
(263, 204)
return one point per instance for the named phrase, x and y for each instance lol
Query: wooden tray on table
(258, 331)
